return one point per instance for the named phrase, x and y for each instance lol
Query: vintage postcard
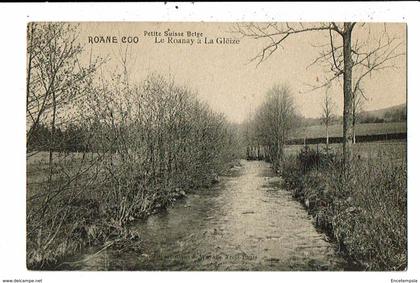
(218, 146)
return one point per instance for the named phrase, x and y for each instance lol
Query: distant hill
(318, 131)
(306, 122)
(397, 113)
(389, 120)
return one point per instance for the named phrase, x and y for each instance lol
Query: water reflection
(247, 222)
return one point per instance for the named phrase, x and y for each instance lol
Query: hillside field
(318, 131)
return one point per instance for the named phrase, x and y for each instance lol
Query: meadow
(318, 131)
(397, 149)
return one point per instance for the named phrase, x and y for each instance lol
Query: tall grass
(149, 144)
(363, 209)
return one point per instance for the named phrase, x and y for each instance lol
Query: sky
(224, 76)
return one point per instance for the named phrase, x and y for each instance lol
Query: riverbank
(364, 211)
(115, 160)
(94, 214)
(244, 222)
(92, 223)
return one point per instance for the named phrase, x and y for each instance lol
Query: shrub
(314, 159)
(364, 210)
(147, 148)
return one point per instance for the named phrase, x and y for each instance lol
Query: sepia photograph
(216, 146)
(204, 142)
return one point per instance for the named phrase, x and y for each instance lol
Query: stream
(245, 222)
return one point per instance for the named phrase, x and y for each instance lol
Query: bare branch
(276, 35)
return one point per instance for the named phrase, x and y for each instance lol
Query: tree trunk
(278, 157)
(258, 152)
(28, 83)
(347, 90)
(354, 127)
(52, 134)
(326, 133)
(354, 119)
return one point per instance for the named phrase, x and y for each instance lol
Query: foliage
(273, 122)
(141, 146)
(364, 209)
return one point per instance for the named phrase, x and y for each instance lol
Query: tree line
(270, 126)
(141, 144)
(350, 55)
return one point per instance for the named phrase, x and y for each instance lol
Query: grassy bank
(93, 211)
(364, 210)
(147, 148)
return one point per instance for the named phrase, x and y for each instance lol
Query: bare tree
(146, 142)
(274, 121)
(344, 58)
(55, 76)
(358, 99)
(327, 113)
(56, 82)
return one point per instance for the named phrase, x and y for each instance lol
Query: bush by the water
(150, 146)
(314, 159)
(363, 208)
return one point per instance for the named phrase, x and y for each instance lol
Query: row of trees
(328, 115)
(272, 124)
(143, 143)
(267, 131)
(69, 139)
(160, 128)
(350, 54)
